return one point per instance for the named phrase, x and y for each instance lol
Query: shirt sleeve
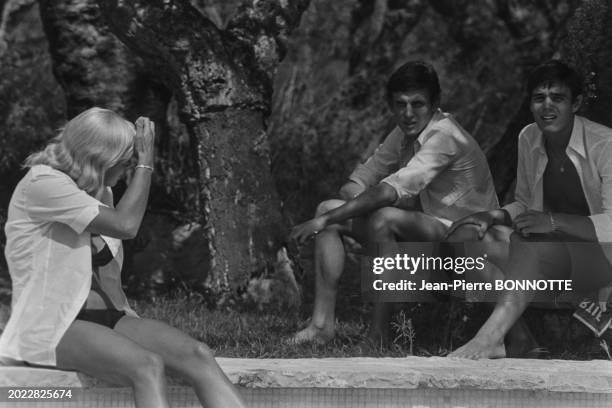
(56, 198)
(383, 162)
(434, 156)
(603, 222)
(522, 190)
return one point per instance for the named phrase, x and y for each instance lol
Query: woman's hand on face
(144, 142)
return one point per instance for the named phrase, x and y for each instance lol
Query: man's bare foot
(312, 334)
(480, 347)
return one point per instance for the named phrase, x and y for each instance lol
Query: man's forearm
(350, 190)
(381, 195)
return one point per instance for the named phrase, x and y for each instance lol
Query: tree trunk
(223, 83)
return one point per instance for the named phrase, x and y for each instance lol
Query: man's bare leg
(388, 225)
(523, 264)
(519, 341)
(329, 265)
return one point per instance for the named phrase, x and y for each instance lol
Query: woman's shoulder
(43, 179)
(43, 170)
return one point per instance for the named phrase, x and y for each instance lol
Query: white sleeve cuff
(603, 227)
(514, 209)
(85, 217)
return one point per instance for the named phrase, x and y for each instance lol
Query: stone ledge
(405, 373)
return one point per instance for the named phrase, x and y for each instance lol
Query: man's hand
(603, 296)
(303, 231)
(482, 220)
(533, 222)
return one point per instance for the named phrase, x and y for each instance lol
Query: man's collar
(425, 133)
(576, 142)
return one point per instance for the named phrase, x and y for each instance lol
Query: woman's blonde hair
(87, 147)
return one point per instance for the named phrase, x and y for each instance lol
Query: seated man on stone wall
(563, 209)
(428, 173)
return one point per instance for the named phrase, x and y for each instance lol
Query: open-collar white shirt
(48, 253)
(445, 168)
(590, 151)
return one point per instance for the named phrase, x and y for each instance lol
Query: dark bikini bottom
(104, 317)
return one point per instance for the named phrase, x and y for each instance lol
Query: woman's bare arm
(124, 220)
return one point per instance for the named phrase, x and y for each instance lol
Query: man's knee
(328, 205)
(381, 220)
(466, 232)
(470, 232)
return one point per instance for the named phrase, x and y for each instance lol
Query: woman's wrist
(145, 167)
(145, 161)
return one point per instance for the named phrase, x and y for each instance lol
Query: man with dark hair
(563, 208)
(426, 174)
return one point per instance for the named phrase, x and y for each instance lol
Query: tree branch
(186, 51)
(263, 28)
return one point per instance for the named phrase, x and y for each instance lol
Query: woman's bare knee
(146, 367)
(203, 353)
(198, 362)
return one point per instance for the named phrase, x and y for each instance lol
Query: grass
(418, 329)
(253, 333)
(424, 329)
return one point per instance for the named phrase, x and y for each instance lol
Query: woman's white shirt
(48, 253)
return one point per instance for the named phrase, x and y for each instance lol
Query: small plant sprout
(604, 345)
(405, 331)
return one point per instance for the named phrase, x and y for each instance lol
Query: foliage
(406, 333)
(585, 36)
(31, 104)
(315, 152)
(329, 108)
(31, 107)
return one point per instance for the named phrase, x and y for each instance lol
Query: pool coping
(593, 376)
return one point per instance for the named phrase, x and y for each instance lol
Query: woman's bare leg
(186, 356)
(103, 353)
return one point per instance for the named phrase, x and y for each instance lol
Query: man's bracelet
(144, 166)
(553, 225)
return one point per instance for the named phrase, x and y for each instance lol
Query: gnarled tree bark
(222, 79)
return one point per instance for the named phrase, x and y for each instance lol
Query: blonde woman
(68, 308)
